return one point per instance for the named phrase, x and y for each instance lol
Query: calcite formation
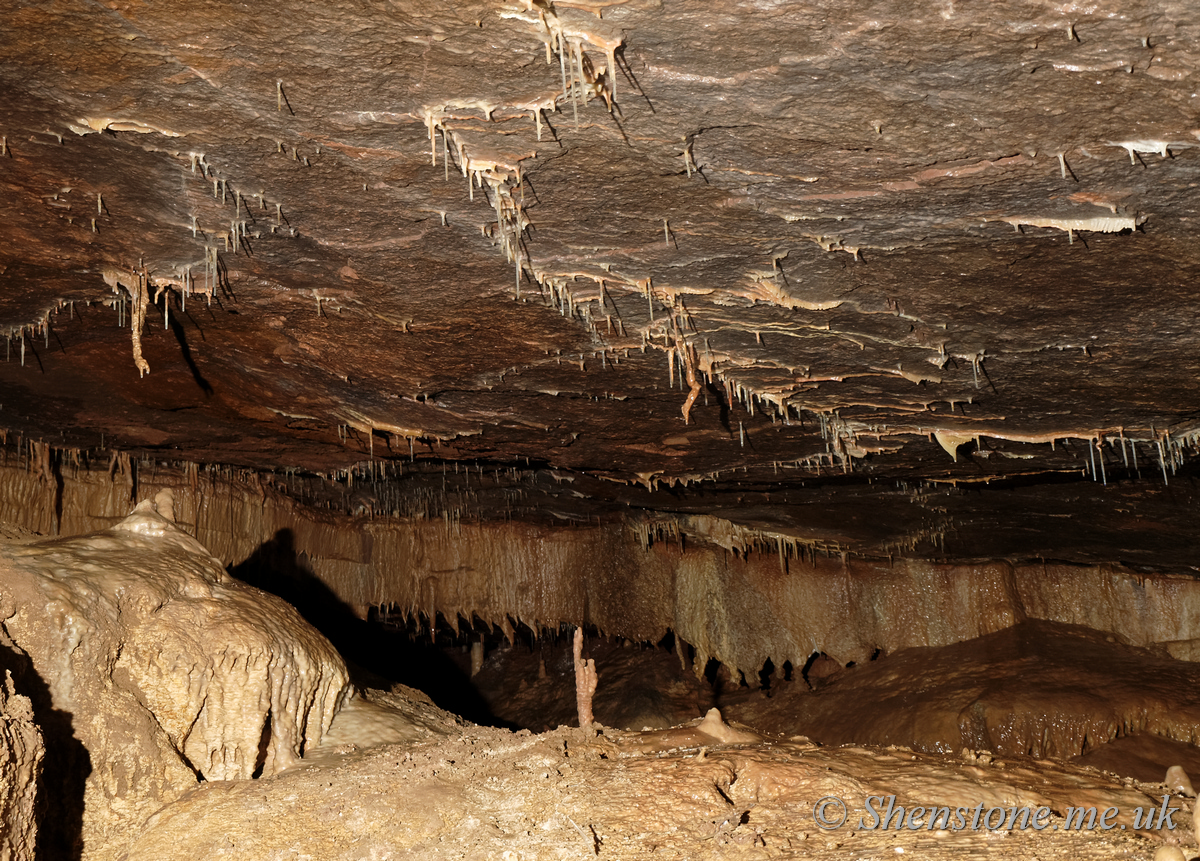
(832, 285)
(643, 240)
(486, 793)
(162, 667)
(736, 593)
(1038, 689)
(784, 328)
(21, 752)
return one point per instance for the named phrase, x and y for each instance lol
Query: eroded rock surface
(488, 794)
(794, 281)
(739, 592)
(21, 752)
(1037, 688)
(165, 669)
(647, 240)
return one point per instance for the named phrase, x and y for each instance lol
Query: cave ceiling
(851, 254)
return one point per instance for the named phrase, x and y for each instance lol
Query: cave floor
(396, 777)
(475, 792)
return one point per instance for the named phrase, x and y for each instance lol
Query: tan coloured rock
(483, 793)
(1178, 782)
(1038, 688)
(170, 671)
(585, 681)
(714, 725)
(722, 590)
(21, 752)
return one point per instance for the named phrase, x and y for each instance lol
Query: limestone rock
(21, 752)
(825, 193)
(484, 793)
(1178, 782)
(714, 725)
(166, 669)
(1038, 688)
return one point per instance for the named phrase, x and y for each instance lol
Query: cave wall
(21, 753)
(738, 596)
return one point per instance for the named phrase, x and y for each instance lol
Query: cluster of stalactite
(738, 595)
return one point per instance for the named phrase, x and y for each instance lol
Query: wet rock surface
(735, 592)
(783, 328)
(749, 237)
(386, 773)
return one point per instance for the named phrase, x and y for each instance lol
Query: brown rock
(21, 753)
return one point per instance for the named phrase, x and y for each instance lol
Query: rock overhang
(808, 250)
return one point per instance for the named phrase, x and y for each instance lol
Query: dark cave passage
(1008, 693)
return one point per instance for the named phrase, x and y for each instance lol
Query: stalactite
(141, 300)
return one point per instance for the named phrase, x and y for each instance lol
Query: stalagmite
(585, 681)
(744, 541)
(1178, 782)
(714, 725)
(172, 670)
(476, 657)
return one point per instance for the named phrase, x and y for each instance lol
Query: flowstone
(21, 752)
(166, 670)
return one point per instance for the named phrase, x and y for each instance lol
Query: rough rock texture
(21, 752)
(750, 239)
(788, 327)
(762, 279)
(489, 794)
(165, 669)
(370, 718)
(1037, 688)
